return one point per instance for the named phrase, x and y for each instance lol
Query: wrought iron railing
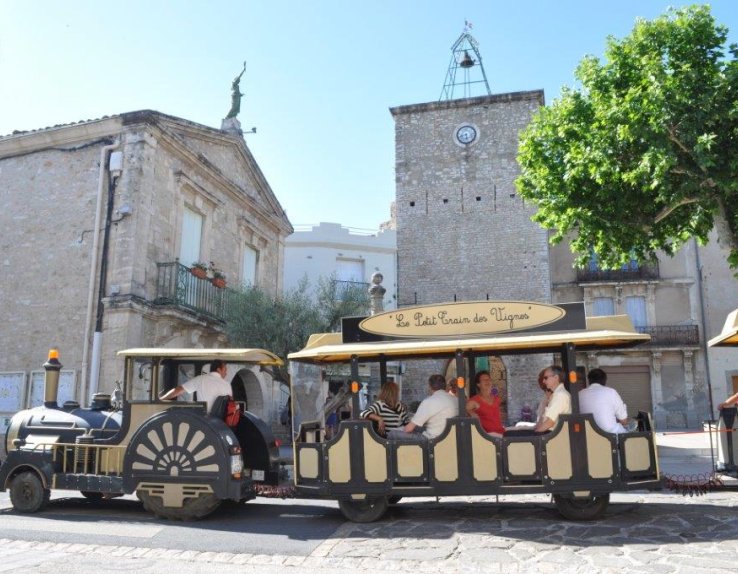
(178, 287)
(625, 274)
(672, 335)
(343, 286)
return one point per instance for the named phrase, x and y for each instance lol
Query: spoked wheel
(367, 510)
(590, 508)
(27, 492)
(191, 509)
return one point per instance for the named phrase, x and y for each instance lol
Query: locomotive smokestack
(51, 381)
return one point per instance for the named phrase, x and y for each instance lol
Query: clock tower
(463, 233)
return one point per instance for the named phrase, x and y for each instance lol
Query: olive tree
(644, 154)
(282, 324)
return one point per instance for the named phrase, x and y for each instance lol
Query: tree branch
(664, 213)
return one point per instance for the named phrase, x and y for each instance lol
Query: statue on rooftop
(236, 95)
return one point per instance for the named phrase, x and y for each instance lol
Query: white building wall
(313, 252)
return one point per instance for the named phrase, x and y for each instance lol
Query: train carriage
(727, 431)
(577, 462)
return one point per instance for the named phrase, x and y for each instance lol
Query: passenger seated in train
(555, 402)
(208, 386)
(605, 404)
(433, 412)
(485, 405)
(387, 411)
(560, 401)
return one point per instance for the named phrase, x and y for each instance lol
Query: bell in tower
(472, 81)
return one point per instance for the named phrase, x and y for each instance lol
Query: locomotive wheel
(581, 508)
(192, 508)
(27, 492)
(97, 496)
(93, 496)
(367, 510)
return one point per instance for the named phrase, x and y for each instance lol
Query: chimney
(51, 381)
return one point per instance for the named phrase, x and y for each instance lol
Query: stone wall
(462, 231)
(49, 181)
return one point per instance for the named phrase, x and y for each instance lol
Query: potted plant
(199, 270)
(217, 277)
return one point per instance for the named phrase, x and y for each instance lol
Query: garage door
(634, 385)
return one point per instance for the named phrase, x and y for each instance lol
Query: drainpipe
(700, 294)
(93, 275)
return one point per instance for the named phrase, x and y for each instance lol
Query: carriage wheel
(27, 492)
(367, 510)
(193, 508)
(590, 508)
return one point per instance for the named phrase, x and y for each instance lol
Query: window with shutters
(603, 306)
(635, 307)
(250, 265)
(190, 244)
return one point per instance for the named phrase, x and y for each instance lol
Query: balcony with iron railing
(672, 335)
(627, 273)
(177, 287)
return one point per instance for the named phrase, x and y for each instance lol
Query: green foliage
(284, 323)
(645, 155)
(338, 299)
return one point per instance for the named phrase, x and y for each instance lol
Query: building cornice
(532, 95)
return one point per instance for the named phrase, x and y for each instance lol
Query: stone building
(462, 231)
(681, 302)
(101, 222)
(464, 234)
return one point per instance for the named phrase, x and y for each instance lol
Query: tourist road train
(183, 462)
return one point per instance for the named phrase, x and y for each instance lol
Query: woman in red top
(485, 405)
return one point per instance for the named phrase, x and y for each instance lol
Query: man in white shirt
(560, 401)
(208, 386)
(432, 414)
(604, 403)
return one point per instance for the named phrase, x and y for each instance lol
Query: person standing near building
(208, 386)
(604, 403)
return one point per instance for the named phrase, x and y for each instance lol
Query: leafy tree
(338, 299)
(284, 323)
(644, 155)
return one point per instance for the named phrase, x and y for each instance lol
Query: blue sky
(321, 74)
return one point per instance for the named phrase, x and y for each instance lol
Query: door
(633, 382)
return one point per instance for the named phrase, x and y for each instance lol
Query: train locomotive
(180, 460)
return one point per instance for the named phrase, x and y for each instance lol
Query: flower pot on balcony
(199, 272)
(219, 282)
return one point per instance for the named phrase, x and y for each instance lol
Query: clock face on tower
(466, 134)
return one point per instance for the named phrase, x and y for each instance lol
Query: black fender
(185, 447)
(18, 461)
(260, 450)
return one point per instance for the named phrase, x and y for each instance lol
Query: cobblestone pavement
(641, 532)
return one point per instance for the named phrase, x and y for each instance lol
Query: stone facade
(685, 300)
(51, 182)
(462, 231)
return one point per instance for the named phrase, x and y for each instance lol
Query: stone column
(657, 393)
(691, 414)
(376, 294)
(376, 306)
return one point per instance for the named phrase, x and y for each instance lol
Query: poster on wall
(67, 388)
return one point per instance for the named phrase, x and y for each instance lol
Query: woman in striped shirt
(387, 411)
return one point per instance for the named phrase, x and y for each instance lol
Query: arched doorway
(247, 389)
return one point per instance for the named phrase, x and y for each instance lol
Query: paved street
(641, 532)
